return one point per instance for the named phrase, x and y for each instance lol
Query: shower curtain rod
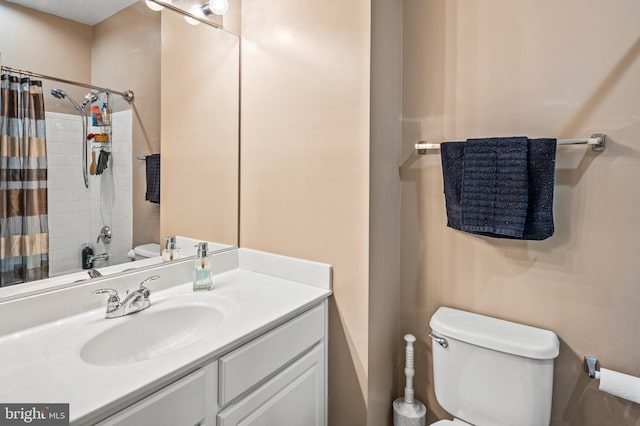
(597, 142)
(127, 95)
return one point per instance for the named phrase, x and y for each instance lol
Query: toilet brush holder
(407, 411)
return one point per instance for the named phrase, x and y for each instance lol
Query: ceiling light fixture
(218, 7)
(195, 10)
(154, 6)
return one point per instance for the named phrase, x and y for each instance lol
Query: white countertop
(42, 364)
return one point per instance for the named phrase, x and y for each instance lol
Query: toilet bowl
(146, 251)
(488, 371)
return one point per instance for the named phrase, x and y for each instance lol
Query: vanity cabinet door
(294, 397)
(180, 404)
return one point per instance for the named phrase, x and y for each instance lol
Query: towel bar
(597, 142)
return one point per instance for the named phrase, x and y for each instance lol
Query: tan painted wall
(46, 44)
(126, 56)
(563, 69)
(305, 163)
(200, 78)
(385, 202)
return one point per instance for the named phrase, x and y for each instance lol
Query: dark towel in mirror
(153, 178)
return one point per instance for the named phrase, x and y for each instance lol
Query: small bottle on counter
(202, 268)
(171, 250)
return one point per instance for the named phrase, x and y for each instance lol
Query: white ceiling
(88, 12)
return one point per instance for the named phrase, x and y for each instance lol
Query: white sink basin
(151, 334)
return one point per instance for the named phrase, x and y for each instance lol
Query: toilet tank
(493, 372)
(146, 251)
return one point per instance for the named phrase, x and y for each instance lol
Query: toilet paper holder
(612, 382)
(591, 366)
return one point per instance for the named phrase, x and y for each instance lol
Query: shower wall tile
(77, 214)
(68, 223)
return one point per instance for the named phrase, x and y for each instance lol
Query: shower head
(90, 98)
(61, 94)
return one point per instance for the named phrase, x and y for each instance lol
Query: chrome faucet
(102, 256)
(94, 273)
(135, 301)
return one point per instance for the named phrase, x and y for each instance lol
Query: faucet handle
(111, 292)
(154, 277)
(113, 299)
(145, 291)
(105, 235)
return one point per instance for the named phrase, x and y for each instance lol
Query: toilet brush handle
(409, 371)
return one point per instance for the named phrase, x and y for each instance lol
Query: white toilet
(145, 251)
(490, 372)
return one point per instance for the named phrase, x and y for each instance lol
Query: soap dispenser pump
(202, 268)
(171, 250)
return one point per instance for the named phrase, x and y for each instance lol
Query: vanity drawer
(180, 404)
(249, 365)
(294, 397)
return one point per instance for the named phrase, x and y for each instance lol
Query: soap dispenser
(171, 251)
(202, 268)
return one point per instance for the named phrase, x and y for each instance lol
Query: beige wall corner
(126, 56)
(232, 20)
(384, 208)
(305, 162)
(485, 68)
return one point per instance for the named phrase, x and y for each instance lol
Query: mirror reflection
(90, 111)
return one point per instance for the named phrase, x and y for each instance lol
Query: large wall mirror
(185, 81)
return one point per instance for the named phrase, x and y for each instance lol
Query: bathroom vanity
(252, 350)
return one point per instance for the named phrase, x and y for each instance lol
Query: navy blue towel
(153, 178)
(494, 186)
(452, 155)
(541, 168)
(497, 188)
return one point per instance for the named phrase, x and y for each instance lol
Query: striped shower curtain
(24, 233)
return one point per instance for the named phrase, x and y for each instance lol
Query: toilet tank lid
(492, 333)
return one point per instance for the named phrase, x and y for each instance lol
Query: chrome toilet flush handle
(440, 340)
